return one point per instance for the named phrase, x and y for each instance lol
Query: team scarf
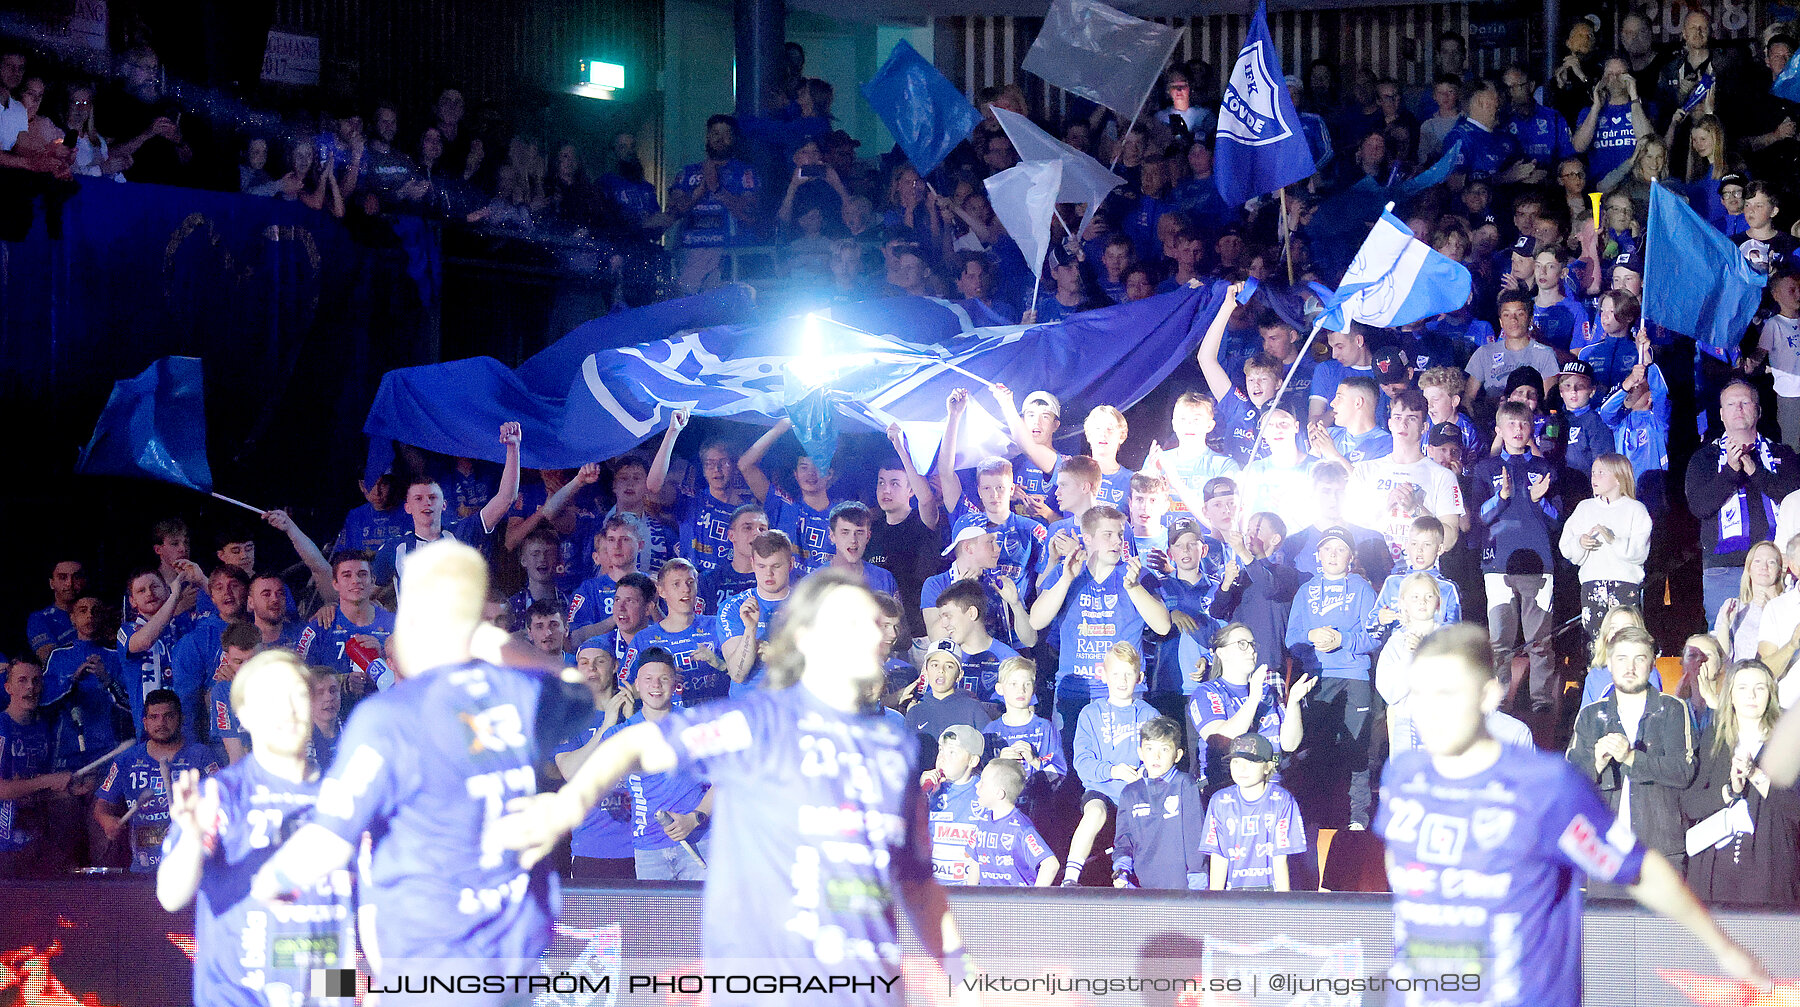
(1734, 518)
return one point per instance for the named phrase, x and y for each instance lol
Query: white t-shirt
(1779, 618)
(1366, 501)
(1781, 341)
(1630, 716)
(13, 120)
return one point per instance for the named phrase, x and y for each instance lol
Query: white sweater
(1623, 557)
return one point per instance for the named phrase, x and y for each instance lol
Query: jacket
(1712, 486)
(1159, 829)
(1664, 767)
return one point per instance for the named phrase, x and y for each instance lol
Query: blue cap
(967, 527)
(599, 642)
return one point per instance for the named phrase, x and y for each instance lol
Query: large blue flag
(926, 113)
(1260, 147)
(1696, 282)
(1111, 355)
(1396, 279)
(154, 426)
(1787, 85)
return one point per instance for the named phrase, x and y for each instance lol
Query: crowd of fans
(1224, 633)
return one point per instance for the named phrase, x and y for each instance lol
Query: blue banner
(154, 426)
(1696, 281)
(1260, 146)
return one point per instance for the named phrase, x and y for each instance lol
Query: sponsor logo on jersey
(728, 733)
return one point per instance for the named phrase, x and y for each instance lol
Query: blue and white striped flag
(1395, 279)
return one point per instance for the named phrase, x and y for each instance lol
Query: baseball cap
(1580, 367)
(1338, 534)
(1045, 399)
(967, 527)
(1733, 178)
(595, 643)
(1182, 526)
(1390, 365)
(1213, 491)
(1526, 246)
(965, 736)
(1446, 433)
(1252, 746)
(1628, 259)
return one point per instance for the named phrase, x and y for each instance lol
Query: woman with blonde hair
(1760, 867)
(1739, 623)
(1607, 537)
(1702, 673)
(1708, 161)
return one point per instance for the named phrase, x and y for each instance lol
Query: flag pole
(1275, 403)
(1287, 238)
(258, 511)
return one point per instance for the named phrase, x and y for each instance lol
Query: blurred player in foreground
(817, 790)
(1482, 852)
(424, 768)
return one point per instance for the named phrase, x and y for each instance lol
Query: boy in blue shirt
(50, 628)
(1254, 825)
(617, 547)
(736, 573)
(600, 847)
(693, 641)
(963, 609)
(1157, 844)
(223, 829)
(1106, 750)
(1021, 539)
(85, 675)
(1007, 848)
(1422, 550)
(951, 805)
(29, 843)
(1326, 637)
(705, 517)
(1020, 734)
(671, 812)
(425, 504)
(747, 618)
(852, 524)
(807, 520)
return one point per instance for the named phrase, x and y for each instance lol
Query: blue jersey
(1107, 736)
(696, 681)
(425, 767)
(137, 776)
(704, 521)
(719, 585)
(732, 625)
(807, 526)
(1561, 324)
(592, 602)
(1168, 671)
(1543, 135)
(1028, 478)
(954, 814)
(1484, 151)
(1021, 541)
(1249, 835)
(224, 720)
(981, 671)
(676, 792)
(1237, 420)
(150, 670)
(1486, 870)
(606, 832)
(49, 627)
(467, 494)
(390, 562)
(369, 530)
(248, 954)
(1329, 373)
(96, 700)
(875, 578)
(834, 800)
(326, 646)
(1115, 489)
(1096, 615)
(24, 753)
(1008, 850)
(999, 616)
(1044, 740)
(1367, 446)
(1217, 699)
(709, 223)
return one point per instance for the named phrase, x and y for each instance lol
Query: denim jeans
(671, 863)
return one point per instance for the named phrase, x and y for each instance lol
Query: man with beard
(716, 202)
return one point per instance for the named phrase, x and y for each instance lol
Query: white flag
(1024, 198)
(1084, 180)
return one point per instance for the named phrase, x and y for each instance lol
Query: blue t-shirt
(1115, 489)
(606, 832)
(709, 224)
(1615, 139)
(953, 812)
(1008, 850)
(1249, 835)
(834, 800)
(807, 526)
(676, 792)
(1560, 324)
(695, 682)
(1517, 835)
(248, 954)
(425, 767)
(49, 627)
(719, 585)
(326, 647)
(592, 602)
(1028, 478)
(1021, 540)
(1367, 446)
(981, 671)
(1096, 615)
(1543, 135)
(136, 775)
(97, 702)
(24, 753)
(731, 620)
(1329, 374)
(1217, 699)
(1044, 739)
(1236, 421)
(370, 530)
(1484, 151)
(704, 521)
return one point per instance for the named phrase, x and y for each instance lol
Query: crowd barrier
(105, 938)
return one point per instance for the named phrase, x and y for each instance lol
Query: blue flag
(926, 113)
(1787, 85)
(1396, 279)
(154, 426)
(1696, 282)
(1260, 146)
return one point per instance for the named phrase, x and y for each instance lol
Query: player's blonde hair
(262, 666)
